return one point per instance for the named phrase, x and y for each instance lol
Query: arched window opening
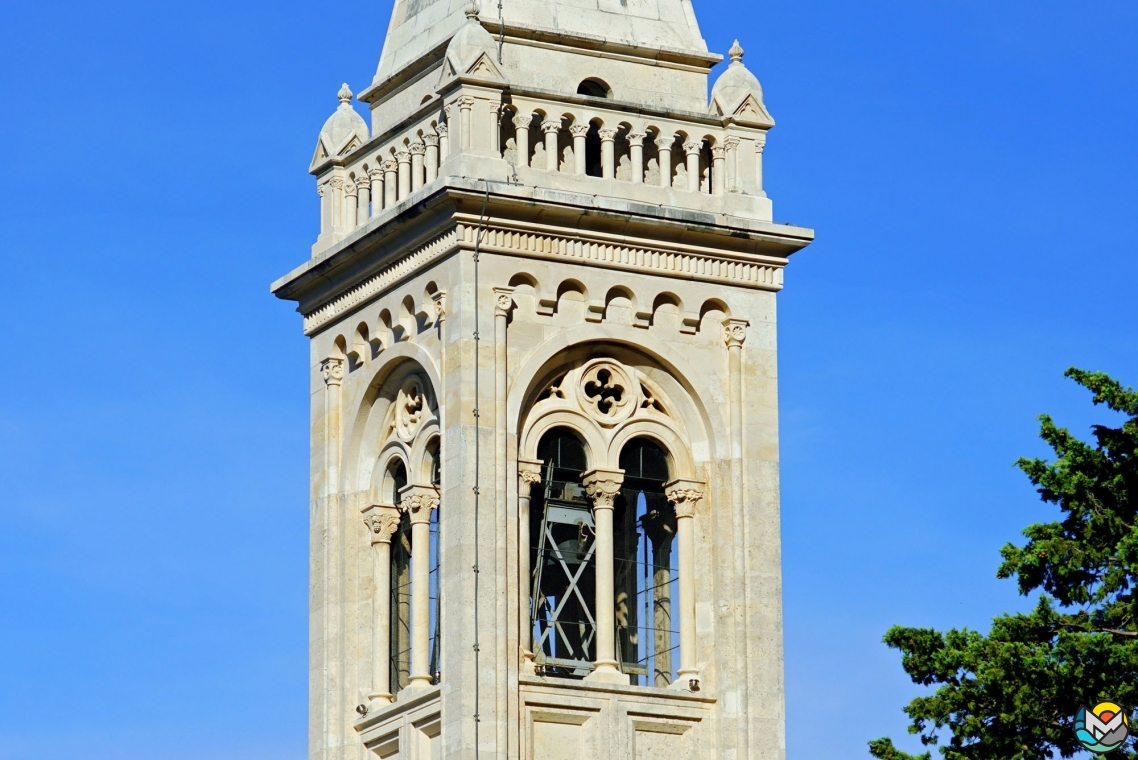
(593, 166)
(594, 88)
(400, 587)
(646, 568)
(563, 548)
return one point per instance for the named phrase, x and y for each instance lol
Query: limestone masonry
(545, 497)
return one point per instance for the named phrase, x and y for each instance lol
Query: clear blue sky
(970, 168)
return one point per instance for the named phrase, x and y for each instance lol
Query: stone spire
(661, 24)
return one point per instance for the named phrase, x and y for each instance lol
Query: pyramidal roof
(419, 26)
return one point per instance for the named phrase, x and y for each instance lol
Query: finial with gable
(736, 52)
(345, 94)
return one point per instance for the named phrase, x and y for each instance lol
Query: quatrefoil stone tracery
(608, 392)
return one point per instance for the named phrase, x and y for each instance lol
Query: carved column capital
(431, 139)
(522, 122)
(336, 182)
(320, 188)
(333, 370)
(381, 521)
(636, 138)
(692, 147)
(735, 332)
(364, 180)
(550, 126)
(417, 149)
(418, 502)
(403, 157)
(718, 152)
(760, 145)
(608, 135)
(350, 189)
(466, 102)
(503, 301)
(731, 143)
(440, 304)
(442, 129)
(579, 130)
(529, 475)
(603, 486)
(377, 175)
(390, 165)
(685, 496)
(665, 142)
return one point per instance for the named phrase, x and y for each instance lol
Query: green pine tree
(1014, 694)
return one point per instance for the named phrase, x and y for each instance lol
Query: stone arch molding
(398, 419)
(607, 403)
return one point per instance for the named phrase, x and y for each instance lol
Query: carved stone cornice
(603, 486)
(332, 369)
(685, 496)
(418, 502)
(533, 241)
(381, 521)
(735, 332)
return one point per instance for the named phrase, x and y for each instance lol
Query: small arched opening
(400, 650)
(594, 88)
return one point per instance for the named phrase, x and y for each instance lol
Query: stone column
(760, 145)
(332, 369)
(692, 150)
(579, 132)
(419, 502)
(465, 104)
(444, 141)
(521, 137)
(608, 153)
(351, 192)
(529, 475)
(551, 129)
(718, 166)
(636, 141)
(603, 486)
(685, 496)
(337, 184)
(382, 522)
(734, 335)
(363, 188)
(325, 193)
(376, 191)
(731, 144)
(418, 150)
(403, 158)
(664, 147)
(390, 183)
(432, 160)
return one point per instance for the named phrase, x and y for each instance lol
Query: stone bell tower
(545, 496)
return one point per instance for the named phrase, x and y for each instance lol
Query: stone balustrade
(699, 154)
